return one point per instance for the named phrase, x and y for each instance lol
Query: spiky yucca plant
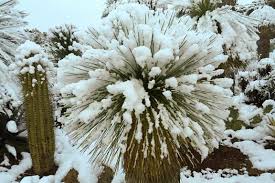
(238, 32)
(62, 40)
(32, 66)
(144, 95)
(10, 20)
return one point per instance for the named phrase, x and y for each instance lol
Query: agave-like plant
(144, 97)
(10, 20)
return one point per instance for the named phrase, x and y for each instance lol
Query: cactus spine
(38, 110)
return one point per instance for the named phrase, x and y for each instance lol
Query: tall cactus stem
(39, 119)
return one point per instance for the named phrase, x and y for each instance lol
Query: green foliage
(233, 120)
(62, 40)
(200, 8)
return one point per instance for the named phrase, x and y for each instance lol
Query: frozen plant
(37, 36)
(33, 68)
(145, 96)
(62, 40)
(10, 37)
(238, 31)
(258, 82)
(10, 114)
(266, 15)
(199, 8)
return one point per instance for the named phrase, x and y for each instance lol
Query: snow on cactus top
(148, 72)
(31, 57)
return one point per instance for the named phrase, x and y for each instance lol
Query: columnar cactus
(32, 68)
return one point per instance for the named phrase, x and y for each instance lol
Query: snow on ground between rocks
(12, 174)
(261, 158)
(210, 177)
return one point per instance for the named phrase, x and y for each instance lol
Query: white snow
(171, 82)
(12, 127)
(168, 94)
(266, 14)
(261, 158)
(11, 150)
(12, 174)
(154, 71)
(202, 107)
(142, 55)
(257, 133)
(210, 177)
(28, 54)
(164, 56)
(133, 92)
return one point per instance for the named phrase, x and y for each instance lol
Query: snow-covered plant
(258, 83)
(62, 40)
(10, 114)
(266, 15)
(10, 37)
(10, 100)
(9, 91)
(145, 95)
(238, 32)
(199, 8)
(32, 67)
(37, 36)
